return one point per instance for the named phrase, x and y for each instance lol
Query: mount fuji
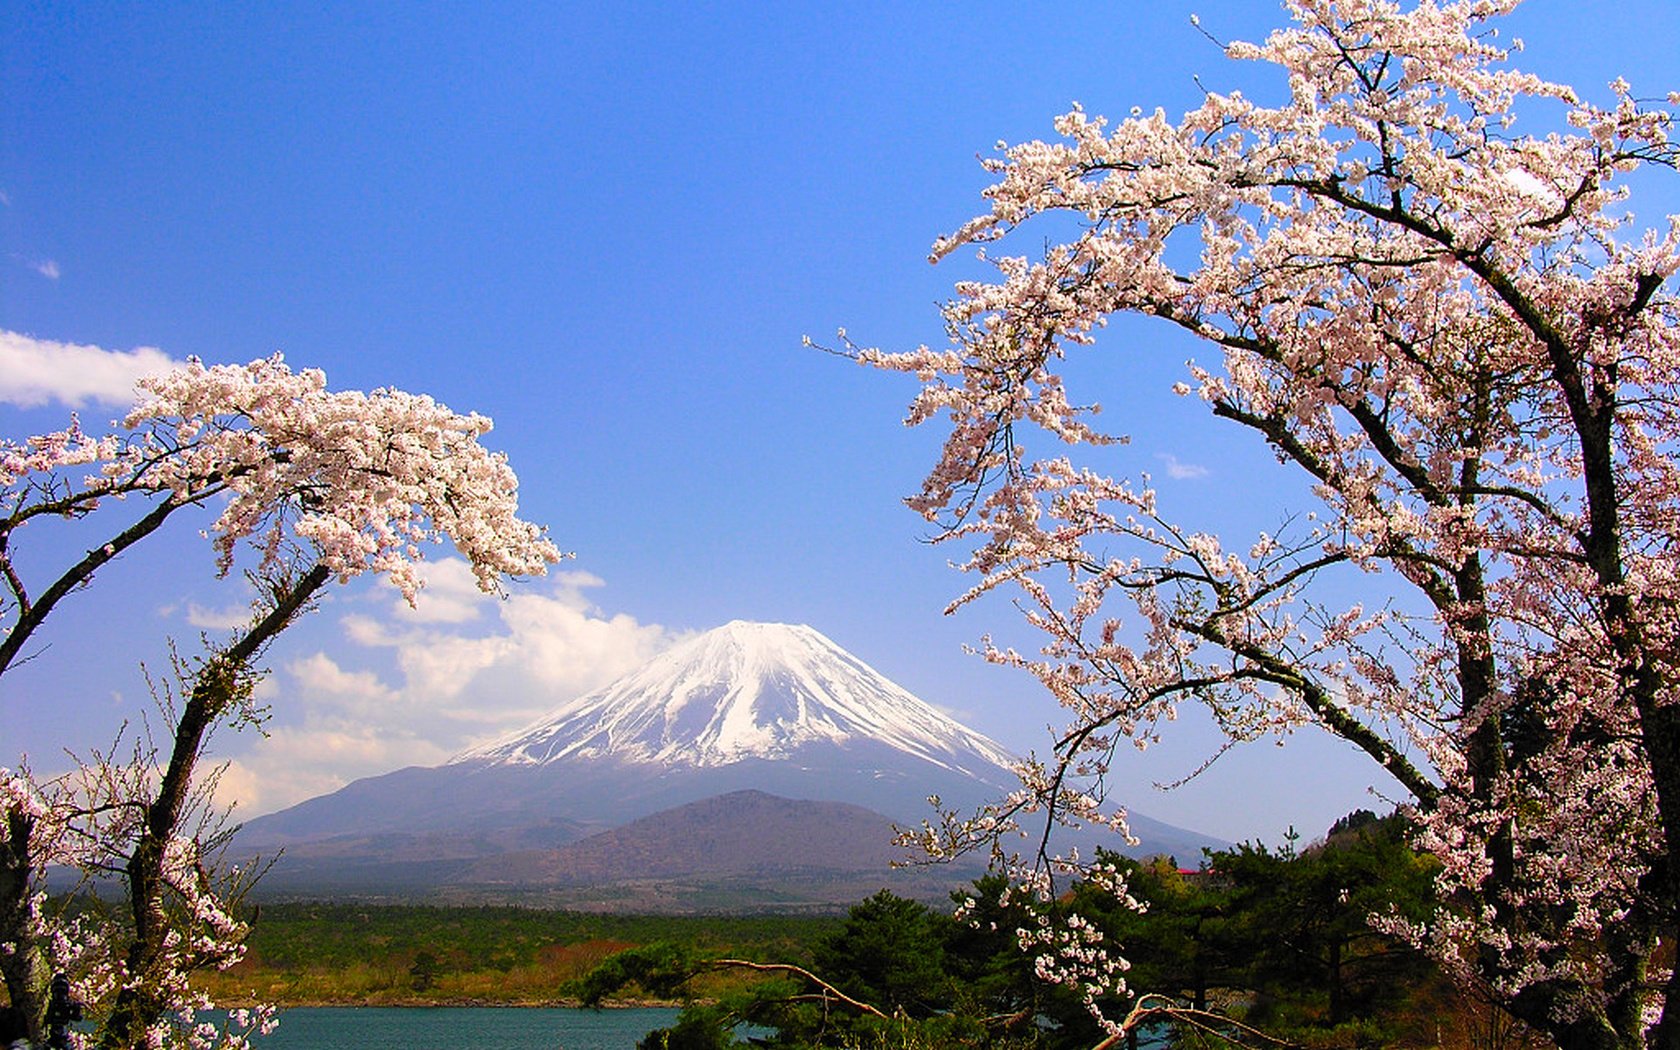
(748, 691)
(732, 717)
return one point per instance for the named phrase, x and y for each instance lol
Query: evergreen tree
(890, 953)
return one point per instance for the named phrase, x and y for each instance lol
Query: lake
(450, 1028)
(481, 1028)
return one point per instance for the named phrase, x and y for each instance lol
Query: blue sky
(607, 226)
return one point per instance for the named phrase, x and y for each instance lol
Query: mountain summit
(746, 691)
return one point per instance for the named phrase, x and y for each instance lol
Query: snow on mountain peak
(744, 690)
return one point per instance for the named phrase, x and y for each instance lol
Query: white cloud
(1181, 470)
(237, 613)
(436, 666)
(36, 371)
(366, 631)
(563, 644)
(294, 764)
(214, 619)
(324, 682)
(46, 268)
(1528, 186)
(446, 682)
(449, 594)
(554, 645)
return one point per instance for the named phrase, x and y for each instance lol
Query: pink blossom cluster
(361, 480)
(365, 478)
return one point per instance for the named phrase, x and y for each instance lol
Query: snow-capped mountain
(746, 691)
(749, 710)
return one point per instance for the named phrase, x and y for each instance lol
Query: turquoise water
(479, 1028)
(450, 1028)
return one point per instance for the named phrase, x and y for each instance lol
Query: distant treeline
(357, 954)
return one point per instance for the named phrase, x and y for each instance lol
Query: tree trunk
(24, 967)
(1338, 1007)
(1545, 1007)
(218, 685)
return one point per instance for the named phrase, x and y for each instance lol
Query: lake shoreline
(433, 1027)
(475, 1003)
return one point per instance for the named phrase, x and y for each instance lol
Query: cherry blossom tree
(1450, 324)
(317, 485)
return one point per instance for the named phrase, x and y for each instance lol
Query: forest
(1254, 946)
(1253, 939)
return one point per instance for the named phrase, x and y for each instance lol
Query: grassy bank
(346, 954)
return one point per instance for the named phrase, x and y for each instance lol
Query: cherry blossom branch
(32, 614)
(220, 682)
(1153, 1007)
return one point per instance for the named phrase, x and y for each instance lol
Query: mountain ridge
(775, 710)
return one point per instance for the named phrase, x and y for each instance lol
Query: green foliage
(424, 971)
(890, 953)
(904, 1033)
(1285, 937)
(699, 1028)
(990, 975)
(297, 935)
(1281, 938)
(660, 970)
(1188, 943)
(1312, 941)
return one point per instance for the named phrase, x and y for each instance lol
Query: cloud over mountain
(415, 686)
